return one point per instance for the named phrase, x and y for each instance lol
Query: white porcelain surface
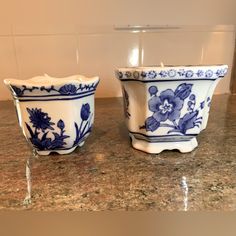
(55, 114)
(167, 107)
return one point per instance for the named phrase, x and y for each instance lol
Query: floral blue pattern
(172, 73)
(67, 89)
(39, 119)
(40, 126)
(126, 103)
(85, 126)
(167, 107)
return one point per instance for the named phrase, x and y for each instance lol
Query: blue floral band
(171, 73)
(50, 91)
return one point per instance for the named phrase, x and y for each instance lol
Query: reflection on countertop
(108, 174)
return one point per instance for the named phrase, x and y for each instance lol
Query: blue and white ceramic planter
(167, 107)
(55, 114)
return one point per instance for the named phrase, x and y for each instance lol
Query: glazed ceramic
(167, 107)
(55, 114)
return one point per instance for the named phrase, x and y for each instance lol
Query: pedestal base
(45, 153)
(157, 147)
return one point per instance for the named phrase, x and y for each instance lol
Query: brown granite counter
(108, 174)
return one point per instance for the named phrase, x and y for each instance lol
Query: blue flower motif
(120, 74)
(209, 73)
(151, 124)
(220, 72)
(128, 74)
(166, 106)
(136, 74)
(153, 90)
(181, 72)
(143, 74)
(152, 74)
(61, 124)
(172, 73)
(163, 73)
(68, 89)
(189, 73)
(192, 97)
(200, 73)
(85, 112)
(39, 119)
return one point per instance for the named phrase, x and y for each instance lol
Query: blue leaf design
(183, 90)
(187, 121)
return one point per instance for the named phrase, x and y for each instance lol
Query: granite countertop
(108, 174)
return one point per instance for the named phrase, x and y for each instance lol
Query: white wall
(62, 37)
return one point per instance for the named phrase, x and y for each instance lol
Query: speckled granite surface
(107, 174)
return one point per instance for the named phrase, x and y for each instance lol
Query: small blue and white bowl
(55, 114)
(167, 107)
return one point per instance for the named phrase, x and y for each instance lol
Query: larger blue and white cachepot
(167, 107)
(55, 114)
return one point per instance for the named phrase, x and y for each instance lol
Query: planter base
(45, 153)
(158, 147)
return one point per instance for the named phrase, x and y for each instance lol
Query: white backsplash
(98, 51)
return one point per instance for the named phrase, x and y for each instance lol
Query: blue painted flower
(166, 106)
(143, 74)
(128, 74)
(152, 74)
(209, 73)
(136, 74)
(85, 111)
(200, 73)
(172, 73)
(189, 73)
(120, 74)
(151, 124)
(192, 97)
(39, 119)
(163, 73)
(181, 72)
(68, 89)
(153, 90)
(61, 124)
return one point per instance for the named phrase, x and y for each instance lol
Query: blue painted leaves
(126, 103)
(167, 109)
(183, 91)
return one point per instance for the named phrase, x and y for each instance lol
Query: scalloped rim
(47, 80)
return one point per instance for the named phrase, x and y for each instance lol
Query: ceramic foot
(81, 144)
(157, 147)
(45, 153)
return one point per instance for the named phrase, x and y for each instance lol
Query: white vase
(55, 114)
(167, 107)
